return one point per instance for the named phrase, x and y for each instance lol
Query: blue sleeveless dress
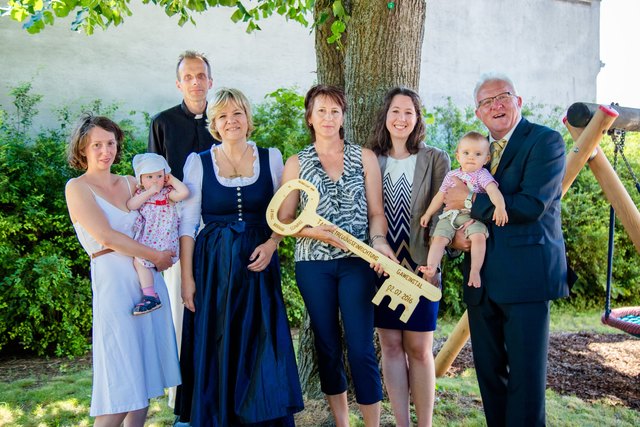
(237, 357)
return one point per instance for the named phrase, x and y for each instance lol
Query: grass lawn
(62, 397)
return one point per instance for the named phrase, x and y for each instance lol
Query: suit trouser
(510, 344)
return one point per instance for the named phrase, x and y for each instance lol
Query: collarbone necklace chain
(235, 169)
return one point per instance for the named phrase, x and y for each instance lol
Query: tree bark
(384, 50)
(329, 59)
(381, 49)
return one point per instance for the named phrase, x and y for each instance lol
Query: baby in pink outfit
(157, 226)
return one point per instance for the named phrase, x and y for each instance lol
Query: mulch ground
(587, 365)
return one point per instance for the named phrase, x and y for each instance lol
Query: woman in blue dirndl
(237, 356)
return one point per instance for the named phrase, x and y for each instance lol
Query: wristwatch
(468, 202)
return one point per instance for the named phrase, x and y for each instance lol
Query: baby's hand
(168, 179)
(500, 216)
(424, 220)
(155, 188)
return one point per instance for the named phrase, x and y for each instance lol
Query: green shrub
(279, 123)
(45, 293)
(586, 230)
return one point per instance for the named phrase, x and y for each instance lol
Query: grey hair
(492, 77)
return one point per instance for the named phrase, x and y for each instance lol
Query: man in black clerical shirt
(181, 130)
(175, 133)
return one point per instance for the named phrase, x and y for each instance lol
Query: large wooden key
(403, 286)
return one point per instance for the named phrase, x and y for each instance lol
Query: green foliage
(279, 122)
(25, 103)
(89, 15)
(449, 124)
(45, 294)
(586, 229)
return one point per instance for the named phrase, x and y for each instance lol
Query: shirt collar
(507, 137)
(189, 114)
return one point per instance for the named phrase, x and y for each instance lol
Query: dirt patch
(587, 365)
(14, 368)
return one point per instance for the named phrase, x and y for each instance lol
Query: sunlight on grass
(569, 411)
(63, 398)
(8, 414)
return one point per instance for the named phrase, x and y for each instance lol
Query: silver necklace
(235, 169)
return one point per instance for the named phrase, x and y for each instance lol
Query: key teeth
(394, 303)
(377, 299)
(405, 315)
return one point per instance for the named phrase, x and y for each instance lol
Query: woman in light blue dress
(134, 357)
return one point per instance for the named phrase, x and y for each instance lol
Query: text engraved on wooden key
(403, 286)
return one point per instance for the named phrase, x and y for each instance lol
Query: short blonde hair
(79, 140)
(221, 99)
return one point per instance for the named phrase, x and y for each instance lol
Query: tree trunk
(381, 49)
(329, 59)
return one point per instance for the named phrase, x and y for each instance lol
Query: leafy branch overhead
(92, 14)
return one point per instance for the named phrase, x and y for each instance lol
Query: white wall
(549, 47)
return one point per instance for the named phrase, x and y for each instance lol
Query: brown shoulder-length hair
(380, 140)
(79, 140)
(334, 93)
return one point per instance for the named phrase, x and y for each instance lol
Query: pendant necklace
(235, 169)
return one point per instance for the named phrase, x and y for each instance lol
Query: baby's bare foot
(474, 279)
(429, 272)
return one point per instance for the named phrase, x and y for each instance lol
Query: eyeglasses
(500, 98)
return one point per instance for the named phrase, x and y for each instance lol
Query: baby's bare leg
(436, 252)
(478, 249)
(144, 274)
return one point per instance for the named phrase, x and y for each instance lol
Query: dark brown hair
(331, 92)
(79, 140)
(380, 140)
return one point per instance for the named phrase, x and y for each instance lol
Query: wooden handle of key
(403, 286)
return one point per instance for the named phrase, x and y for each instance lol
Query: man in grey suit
(525, 264)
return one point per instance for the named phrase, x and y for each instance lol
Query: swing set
(587, 123)
(627, 319)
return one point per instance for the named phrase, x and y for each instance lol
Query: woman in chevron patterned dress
(334, 283)
(411, 173)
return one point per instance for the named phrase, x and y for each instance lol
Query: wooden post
(613, 189)
(452, 346)
(586, 141)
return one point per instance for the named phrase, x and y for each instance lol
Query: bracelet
(376, 237)
(277, 242)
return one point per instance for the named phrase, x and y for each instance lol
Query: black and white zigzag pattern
(343, 202)
(397, 209)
